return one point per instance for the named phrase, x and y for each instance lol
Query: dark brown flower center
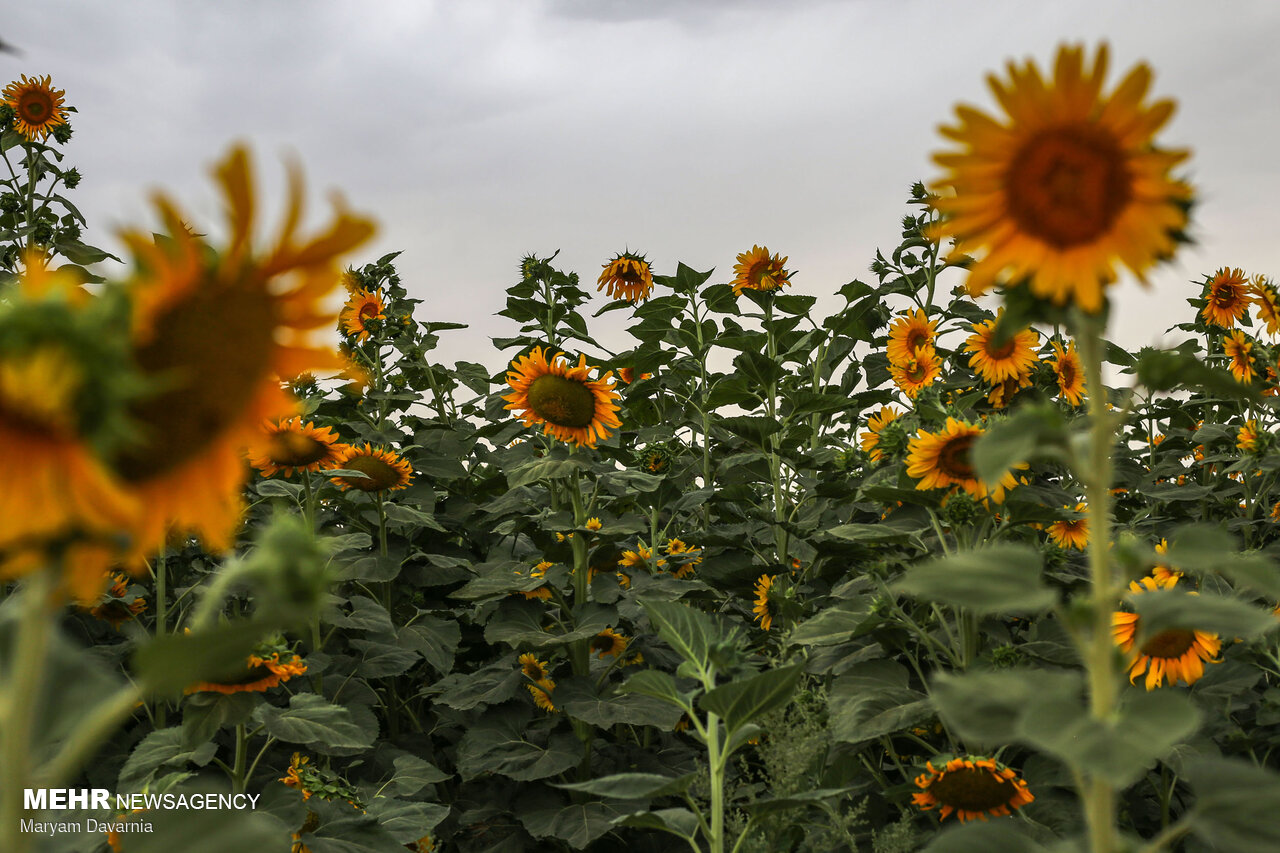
(1068, 184)
(1171, 644)
(972, 789)
(1066, 373)
(293, 449)
(954, 459)
(1225, 295)
(35, 106)
(368, 310)
(380, 474)
(562, 401)
(210, 354)
(602, 643)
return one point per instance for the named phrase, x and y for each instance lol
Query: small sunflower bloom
(1226, 298)
(1175, 654)
(1014, 359)
(1073, 532)
(916, 373)
(594, 524)
(1247, 437)
(1065, 186)
(639, 558)
(757, 270)
(1267, 300)
(261, 673)
(971, 788)
(1070, 375)
(1238, 347)
(361, 309)
(943, 459)
(627, 277)
(609, 643)
(292, 445)
(37, 106)
(910, 332)
(761, 608)
(875, 428)
(563, 398)
(384, 470)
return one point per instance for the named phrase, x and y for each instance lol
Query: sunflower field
(943, 569)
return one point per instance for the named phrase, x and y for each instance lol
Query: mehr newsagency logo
(129, 809)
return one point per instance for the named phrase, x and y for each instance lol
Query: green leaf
(1237, 805)
(1183, 367)
(434, 638)
(633, 786)
(278, 489)
(1171, 609)
(998, 579)
(868, 534)
(411, 517)
(495, 683)
(835, 624)
(578, 699)
(1033, 432)
(197, 831)
(974, 837)
(753, 428)
(577, 823)
(986, 707)
(681, 822)
(406, 822)
(740, 702)
(162, 749)
(1205, 548)
(314, 721)
(873, 699)
(660, 685)
(380, 660)
(775, 805)
(687, 630)
(545, 469)
(414, 773)
(170, 663)
(500, 743)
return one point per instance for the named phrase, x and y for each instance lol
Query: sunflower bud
(71, 178)
(10, 203)
(655, 458)
(62, 133)
(960, 509)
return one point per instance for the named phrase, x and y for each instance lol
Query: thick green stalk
(716, 768)
(775, 459)
(162, 619)
(1099, 796)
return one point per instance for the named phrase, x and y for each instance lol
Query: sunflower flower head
(37, 106)
(910, 332)
(763, 609)
(1237, 347)
(917, 372)
(363, 314)
(609, 643)
(1175, 654)
(758, 270)
(1267, 299)
(1248, 438)
(292, 445)
(944, 460)
(1066, 185)
(878, 439)
(221, 328)
(655, 458)
(384, 470)
(117, 605)
(999, 361)
(268, 667)
(1071, 532)
(972, 787)
(1069, 373)
(628, 277)
(563, 398)
(1226, 297)
(680, 558)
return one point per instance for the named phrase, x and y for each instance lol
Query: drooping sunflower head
(217, 330)
(1176, 654)
(944, 459)
(37, 106)
(570, 405)
(681, 558)
(972, 787)
(1237, 347)
(1066, 185)
(262, 671)
(628, 277)
(533, 669)
(1226, 297)
(758, 270)
(384, 470)
(362, 313)
(762, 610)
(1267, 299)
(997, 362)
(910, 332)
(1070, 375)
(609, 643)
(1071, 532)
(289, 445)
(1247, 437)
(917, 372)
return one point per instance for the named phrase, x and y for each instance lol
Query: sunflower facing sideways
(1226, 298)
(1071, 532)
(1237, 348)
(910, 332)
(265, 669)
(37, 106)
(971, 788)
(562, 397)
(293, 445)
(384, 470)
(363, 306)
(763, 614)
(1267, 300)
(1176, 654)
(757, 270)
(627, 277)
(1066, 367)
(943, 459)
(1015, 358)
(875, 426)
(221, 329)
(1066, 185)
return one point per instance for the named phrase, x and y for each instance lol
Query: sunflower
(37, 106)
(1237, 347)
(609, 642)
(1226, 298)
(362, 307)
(1247, 437)
(541, 693)
(972, 788)
(1001, 394)
(1177, 654)
(1163, 571)
(299, 775)
(261, 673)
(1070, 185)
(115, 605)
(756, 270)
(1072, 532)
(627, 277)
(594, 524)
(910, 332)
(1066, 366)
(542, 593)
(1267, 299)
(291, 445)
(916, 372)
(385, 470)
(761, 608)
(220, 330)
(563, 398)
(58, 388)
(1014, 359)
(639, 558)
(875, 426)
(943, 459)
(683, 556)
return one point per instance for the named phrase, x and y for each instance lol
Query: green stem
(1099, 796)
(238, 779)
(20, 700)
(162, 621)
(775, 459)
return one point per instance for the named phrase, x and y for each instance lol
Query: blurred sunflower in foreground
(217, 331)
(1068, 185)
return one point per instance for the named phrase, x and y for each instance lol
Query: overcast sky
(476, 131)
